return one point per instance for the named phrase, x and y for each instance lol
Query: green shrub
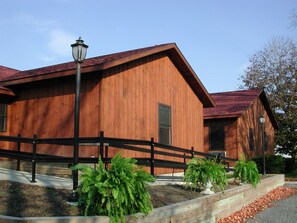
(290, 165)
(199, 171)
(246, 171)
(119, 191)
(274, 164)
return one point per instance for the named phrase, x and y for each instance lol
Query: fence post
(185, 162)
(106, 156)
(152, 156)
(218, 158)
(101, 144)
(192, 152)
(33, 171)
(19, 150)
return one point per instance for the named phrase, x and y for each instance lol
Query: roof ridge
(87, 62)
(236, 91)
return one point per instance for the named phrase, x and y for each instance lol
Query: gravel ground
(282, 211)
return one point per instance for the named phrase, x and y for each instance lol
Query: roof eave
(267, 107)
(6, 91)
(221, 116)
(6, 95)
(191, 77)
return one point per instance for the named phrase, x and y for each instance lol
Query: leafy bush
(199, 171)
(118, 192)
(290, 165)
(246, 171)
(274, 164)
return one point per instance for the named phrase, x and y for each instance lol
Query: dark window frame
(251, 139)
(215, 132)
(3, 116)
(265, 141)
(163, 126)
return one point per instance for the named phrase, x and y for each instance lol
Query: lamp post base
(73, 198)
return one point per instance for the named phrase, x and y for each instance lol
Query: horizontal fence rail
(152, 149)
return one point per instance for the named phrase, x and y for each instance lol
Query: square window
(217, 137)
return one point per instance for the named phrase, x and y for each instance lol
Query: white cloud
(60, 41)
(47, 59)
(37, 23)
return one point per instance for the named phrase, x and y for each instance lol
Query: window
(2, 117)
(217, 137)
(164, 124)
(265, 141)
(251, 139)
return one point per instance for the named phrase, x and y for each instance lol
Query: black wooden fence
(150, 148)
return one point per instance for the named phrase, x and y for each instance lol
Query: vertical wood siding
(237, 132)
(250, 119)
(46, 109)
(121, 101)
(130, 96)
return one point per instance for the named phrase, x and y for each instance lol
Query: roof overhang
(90, 65)
(6, 95)
(268, 110)
(221, 116)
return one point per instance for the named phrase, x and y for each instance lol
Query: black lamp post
(262, 122)
(79, 52)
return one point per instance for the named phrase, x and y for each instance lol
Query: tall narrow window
(217, 137)
(2, 117)
(251, 139)
(265, 141)
(164, 124)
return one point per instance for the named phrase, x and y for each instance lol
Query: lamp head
(262, 119)
(79, 50)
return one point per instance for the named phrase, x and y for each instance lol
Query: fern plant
(119, 191)
(200, 171)
(246, 171)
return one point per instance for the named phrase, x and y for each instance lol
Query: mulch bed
(264, 202)
(22, 200)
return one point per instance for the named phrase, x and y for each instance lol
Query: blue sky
(216, 37)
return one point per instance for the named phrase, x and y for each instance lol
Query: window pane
(164, 115)
(2, 123)
(164, 134)
(217, 138)
(265, 141)
(164, 124)
(2, 109)
(251, 139)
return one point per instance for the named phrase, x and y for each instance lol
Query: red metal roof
(71, 65)
(111, 60)
(234, 103)
(6, 71)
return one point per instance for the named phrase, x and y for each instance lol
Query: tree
(274, 69)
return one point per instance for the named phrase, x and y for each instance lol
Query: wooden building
(137, 94)
(233, 125)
